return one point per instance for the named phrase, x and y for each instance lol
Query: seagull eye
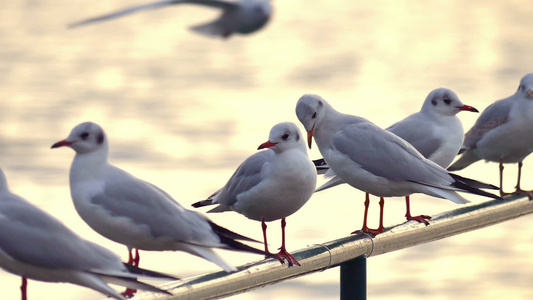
(84, 135)
(314, 115)
(447, 101)
(285, 136)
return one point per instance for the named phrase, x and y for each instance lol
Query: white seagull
(435, 131)
(502, 133)
(243, 16)
(134, 212)
(375, 160)
(271, 184)
(35, 245)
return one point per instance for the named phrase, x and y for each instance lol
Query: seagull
(435, 131)
(271, 184)
(35, 245)
(375, 160)
(244, 16)
(134, 212)
(502, 134)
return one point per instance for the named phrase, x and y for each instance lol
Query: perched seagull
(435, 131)
(502, 133)
(377, 161)
(243, 16)
(35, 245)
(134, 212)
(271, 184)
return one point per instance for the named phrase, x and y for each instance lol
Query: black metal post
(353, 279)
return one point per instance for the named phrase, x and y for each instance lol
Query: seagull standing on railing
(503, 133)
(137, 213)
(375, 160)
(243, 16)
(271, 184)
(35, 245)
(435, 131)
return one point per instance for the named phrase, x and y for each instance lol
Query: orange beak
(310, 136)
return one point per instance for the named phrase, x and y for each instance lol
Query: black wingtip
(235, 245)
(230, 238)
(202, 203)
(474, 183)
(144, 272)
(463, 184)
(319, 162)
(221, 231)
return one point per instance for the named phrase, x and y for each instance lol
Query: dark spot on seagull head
(297, 136)
(434, 102)
(100, 138)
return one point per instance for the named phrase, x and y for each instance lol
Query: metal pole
(334, 253)
(353, 279)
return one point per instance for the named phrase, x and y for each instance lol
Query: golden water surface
(182, 111)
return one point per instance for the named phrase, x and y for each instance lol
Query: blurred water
(182, 111)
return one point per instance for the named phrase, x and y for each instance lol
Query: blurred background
(182, 111)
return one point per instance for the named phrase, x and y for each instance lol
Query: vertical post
(353, 279)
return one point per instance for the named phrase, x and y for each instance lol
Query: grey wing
(493, 116)
(153, 5)
(386, 155)
(212, 3)
(417, 134)
(122, 12)
(146, 204)
(32, 236)
(248, 175)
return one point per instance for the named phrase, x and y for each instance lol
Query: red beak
(61, 144)
(266, 145)
(468, 107)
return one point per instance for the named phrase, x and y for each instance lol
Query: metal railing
(349, 252)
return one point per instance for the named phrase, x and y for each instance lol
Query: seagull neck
(332, 121)
(89, 163)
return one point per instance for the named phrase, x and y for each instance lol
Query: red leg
(365, 219)
(283, 252)
(264, 228)
(381, 228)
(130, 257)
(419, 219)
(134, 261)
(501, 178)
(518, 190)
(268, 254)
(24, 288)
(137, 258)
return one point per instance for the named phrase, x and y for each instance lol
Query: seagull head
(445, 102)
(310, 110)
(526, 86)
(84, 138)
(284, 136)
